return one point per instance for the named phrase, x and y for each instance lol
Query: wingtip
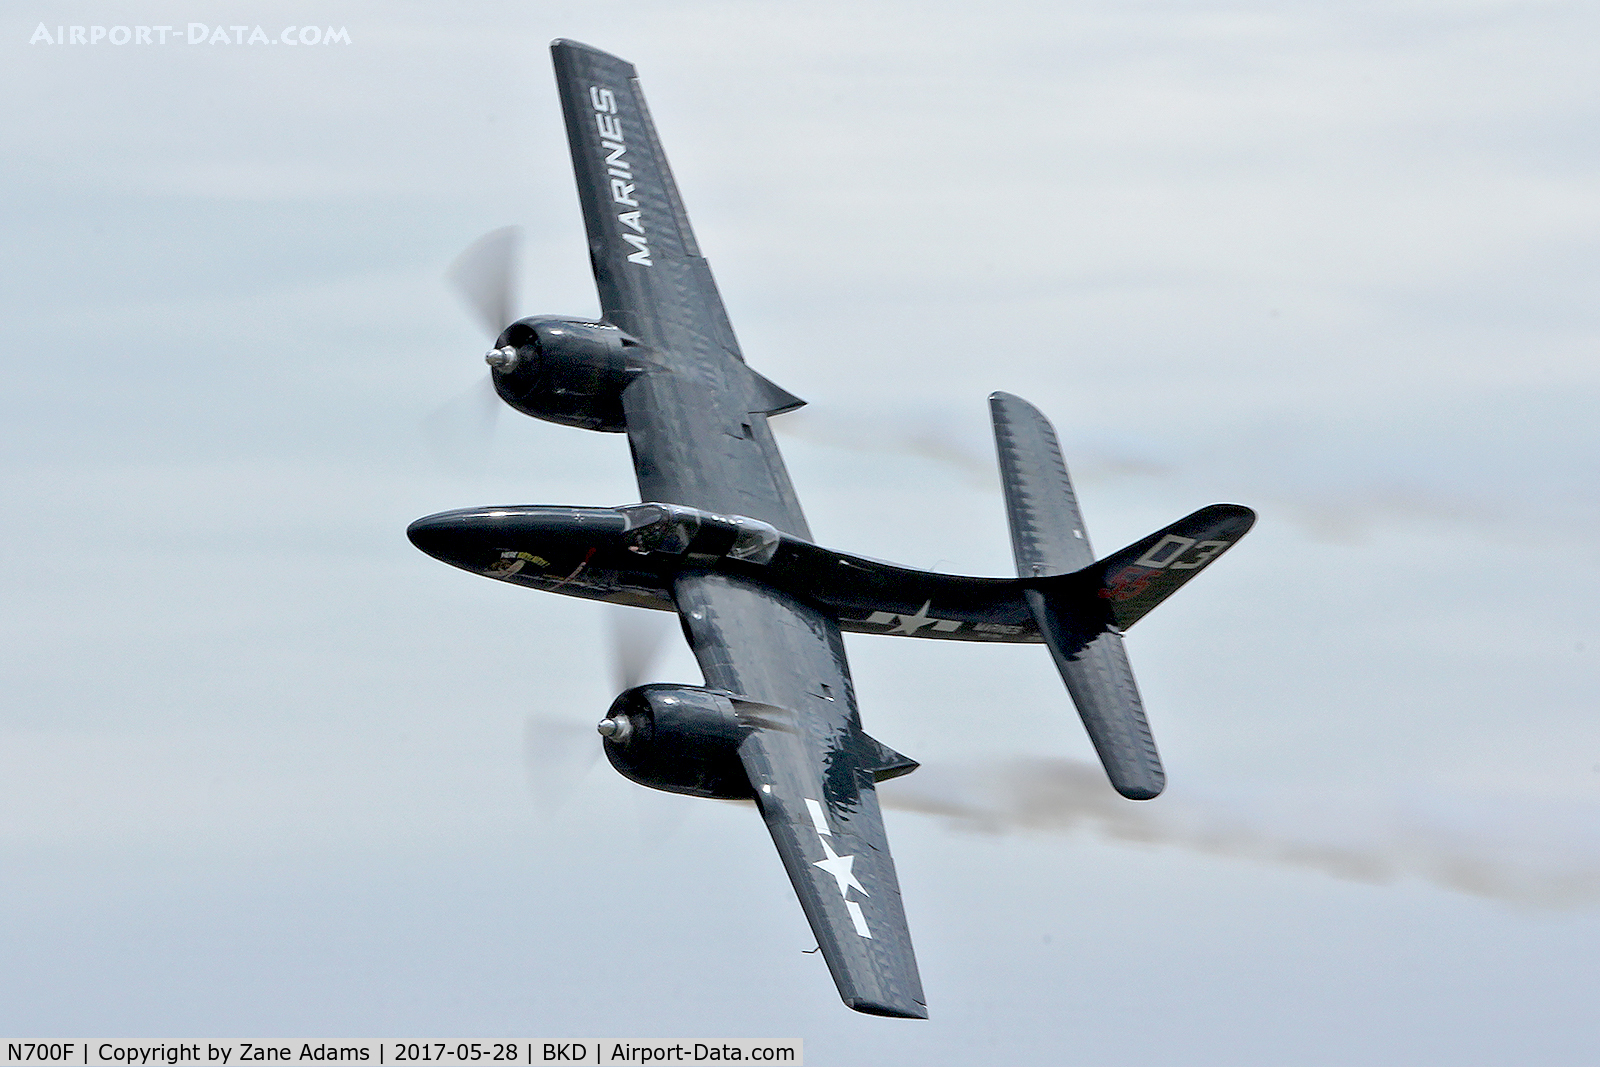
(1246, 513)
(1000, 401)
(1141, 792)
(1143, 781)
(913, 1010)
(1239, 512)
(567, 44)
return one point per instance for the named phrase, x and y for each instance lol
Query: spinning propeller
(484, 276)
(559, 752)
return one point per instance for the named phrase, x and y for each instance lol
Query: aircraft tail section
(1081, 606)
(1133, 581)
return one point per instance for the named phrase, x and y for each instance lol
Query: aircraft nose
(474, 538)
(437, 535)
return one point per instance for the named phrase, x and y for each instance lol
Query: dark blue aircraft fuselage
(633, 554)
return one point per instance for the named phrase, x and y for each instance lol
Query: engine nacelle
(564, 370)
(678, 738)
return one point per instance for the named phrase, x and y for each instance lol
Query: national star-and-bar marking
(910, 624)
(840, 867)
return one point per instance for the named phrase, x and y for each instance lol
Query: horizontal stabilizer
(1081, 607)
(1047, 531)
(1095, 667)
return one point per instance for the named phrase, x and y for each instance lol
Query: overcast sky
(265, 769)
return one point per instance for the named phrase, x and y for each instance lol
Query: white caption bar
(588, 1051)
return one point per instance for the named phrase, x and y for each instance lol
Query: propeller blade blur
(559, 754)
(485, 277)
(460, 432)
(636, 638)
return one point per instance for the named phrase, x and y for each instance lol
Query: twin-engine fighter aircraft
(721, 541)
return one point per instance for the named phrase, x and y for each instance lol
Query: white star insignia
(839, 867)
(910, 624)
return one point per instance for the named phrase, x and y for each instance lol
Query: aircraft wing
(696, 415)
(813, 771)
(697, 424)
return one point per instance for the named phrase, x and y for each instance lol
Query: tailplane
(1082, 606)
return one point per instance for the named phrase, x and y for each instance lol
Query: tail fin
(1082, 607)
(1139, 577)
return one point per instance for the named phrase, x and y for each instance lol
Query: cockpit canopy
(674, 530)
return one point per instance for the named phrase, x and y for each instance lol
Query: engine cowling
(678, 738)
(570, 371)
